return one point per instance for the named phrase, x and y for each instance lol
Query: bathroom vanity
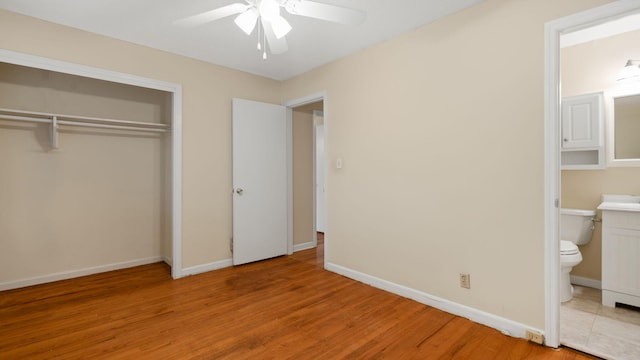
(620, 249)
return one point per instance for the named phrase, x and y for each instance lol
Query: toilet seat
(568, 248)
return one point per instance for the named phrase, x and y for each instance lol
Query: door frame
(290, 104)
(552, 139)
(44, 63)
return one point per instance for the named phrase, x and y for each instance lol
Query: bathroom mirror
(624, 131)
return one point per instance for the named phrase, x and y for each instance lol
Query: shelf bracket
(54, 133)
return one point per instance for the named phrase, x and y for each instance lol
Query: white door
(320, 176)
(259, 181)
(581, 119)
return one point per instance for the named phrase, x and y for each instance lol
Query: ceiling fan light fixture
(280, 26)
(272, 26)
(269, 9)
(291, 6)
(247, 20)
(631, 70)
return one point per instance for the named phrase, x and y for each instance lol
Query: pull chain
(259, 25)
(264, 46)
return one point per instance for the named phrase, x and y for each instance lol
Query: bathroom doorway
(590, 60)
(583, 68)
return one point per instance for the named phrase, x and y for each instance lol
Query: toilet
(576, 228)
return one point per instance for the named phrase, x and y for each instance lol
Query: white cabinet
(620, 250)
(583, 132)
(581, 121)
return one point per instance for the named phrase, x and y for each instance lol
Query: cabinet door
(581, 121)
(621, 261)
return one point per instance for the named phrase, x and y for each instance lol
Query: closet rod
(78, 123)
(106, 126)
(82, 120)
(22, 118)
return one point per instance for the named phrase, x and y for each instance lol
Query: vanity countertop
(620, 203)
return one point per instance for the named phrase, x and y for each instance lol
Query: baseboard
(583, 281)
(199, 269)
(168, 260)
(77, 273)
(304, 246)
(506, 326)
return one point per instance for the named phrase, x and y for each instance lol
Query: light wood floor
(284, 308)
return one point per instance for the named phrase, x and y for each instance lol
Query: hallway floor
(587, 325)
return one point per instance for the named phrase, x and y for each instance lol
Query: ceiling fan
(271, 25)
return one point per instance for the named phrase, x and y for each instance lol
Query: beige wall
(587, 68)
(303, 181)
(441, 133)
(101, 198)
(207, 94)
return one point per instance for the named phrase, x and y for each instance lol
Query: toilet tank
(576, 225)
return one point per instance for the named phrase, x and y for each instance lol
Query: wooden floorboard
(283, 308)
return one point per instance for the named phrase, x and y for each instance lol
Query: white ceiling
(312, 42)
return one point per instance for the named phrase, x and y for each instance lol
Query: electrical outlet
(534, 336)
(465, 281)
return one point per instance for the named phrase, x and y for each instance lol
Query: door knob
(239, 191)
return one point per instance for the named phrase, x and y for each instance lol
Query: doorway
(553, 31)
(308, 172)
(590, 62)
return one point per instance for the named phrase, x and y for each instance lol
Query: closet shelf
(72, 120)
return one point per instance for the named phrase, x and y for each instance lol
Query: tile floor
(610, 333)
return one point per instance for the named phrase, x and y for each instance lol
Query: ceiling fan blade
(277, 46)
(326, 12)
(213, 15)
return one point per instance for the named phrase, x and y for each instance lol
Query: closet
(85, 175)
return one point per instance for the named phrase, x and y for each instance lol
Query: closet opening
(88, 175)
